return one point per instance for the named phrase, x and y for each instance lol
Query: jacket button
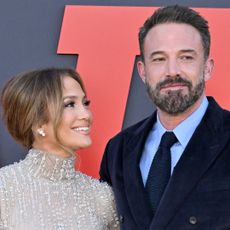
(121, 219)
(192, 220)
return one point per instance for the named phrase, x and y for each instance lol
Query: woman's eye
(86, 103)
(70, 104)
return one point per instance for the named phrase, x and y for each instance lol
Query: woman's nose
(84, 113)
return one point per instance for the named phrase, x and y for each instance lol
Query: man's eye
(186, 58)
(159, 59)
(70, 104)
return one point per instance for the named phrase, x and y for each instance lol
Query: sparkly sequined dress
(44, 192)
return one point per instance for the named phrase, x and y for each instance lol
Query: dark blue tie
(160, 170)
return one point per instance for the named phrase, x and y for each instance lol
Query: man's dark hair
(176, 14)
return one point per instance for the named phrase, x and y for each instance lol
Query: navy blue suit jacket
(198, 193)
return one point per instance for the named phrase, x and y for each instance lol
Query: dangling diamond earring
(41, 132)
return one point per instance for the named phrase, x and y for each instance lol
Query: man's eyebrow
(156, 52)
(187, 51)
(162, 52)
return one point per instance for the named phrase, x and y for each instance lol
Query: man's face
(174, 68)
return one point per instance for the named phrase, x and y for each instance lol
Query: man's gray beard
(175, 102)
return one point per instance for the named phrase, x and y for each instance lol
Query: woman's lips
(82, 129)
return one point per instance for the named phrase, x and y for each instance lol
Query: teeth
(82, 129)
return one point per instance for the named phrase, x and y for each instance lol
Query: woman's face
(75, 124)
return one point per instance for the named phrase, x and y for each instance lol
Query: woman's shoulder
(102, 199)
(9, 173)
(93, 183)
(11, 167)
(100, 191)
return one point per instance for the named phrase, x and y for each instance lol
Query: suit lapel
(134, 187)
(203, 148)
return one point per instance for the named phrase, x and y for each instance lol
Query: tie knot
(168, 139)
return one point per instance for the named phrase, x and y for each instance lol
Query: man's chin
(175, 91)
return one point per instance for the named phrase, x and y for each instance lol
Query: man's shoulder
(216, 117)
(217, 111)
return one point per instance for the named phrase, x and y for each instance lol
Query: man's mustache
(171, 80)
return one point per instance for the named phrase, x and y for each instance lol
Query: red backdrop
(105, 38)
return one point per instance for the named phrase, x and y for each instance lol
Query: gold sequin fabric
(44, 192)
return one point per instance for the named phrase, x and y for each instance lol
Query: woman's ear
(39, 130)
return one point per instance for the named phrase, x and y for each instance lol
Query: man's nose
(173, 68)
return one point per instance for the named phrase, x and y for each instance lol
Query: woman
(47, 111)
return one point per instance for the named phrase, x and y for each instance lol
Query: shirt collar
(186, 128)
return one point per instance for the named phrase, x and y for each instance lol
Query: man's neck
(170, 121)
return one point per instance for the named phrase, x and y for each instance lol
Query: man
(195, 192)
